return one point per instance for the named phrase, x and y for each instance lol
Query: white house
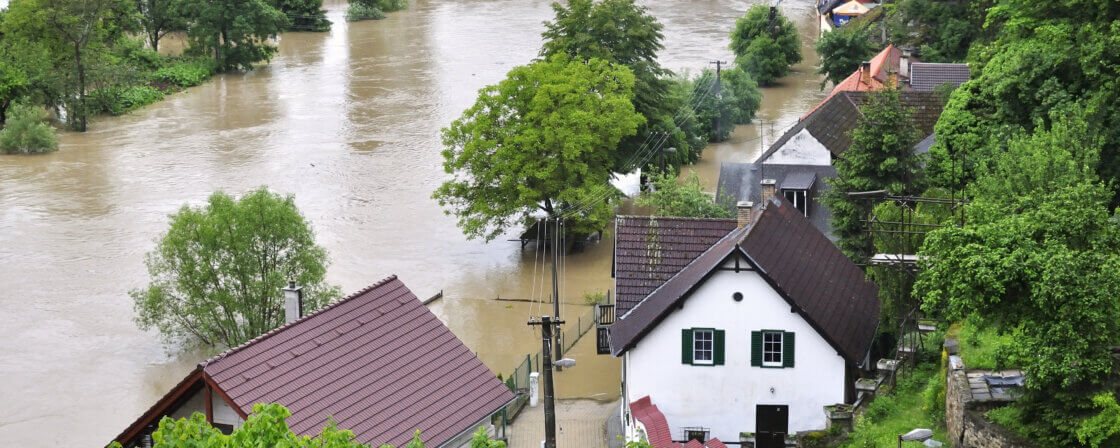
(752, 331)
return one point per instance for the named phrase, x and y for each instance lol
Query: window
(697, 434)
(772, 348)
(702, 345)
(799, 199)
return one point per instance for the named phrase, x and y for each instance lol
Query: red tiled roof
(657, 428)
(378, 362)
(693, 444)
(715, 443)
(649, 250)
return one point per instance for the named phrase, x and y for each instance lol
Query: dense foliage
(217, 275)
(687, 198)
(842, 50)
(622, 32)
(1039, 258)
(235, 33)
(542, 140)
(159, 17)
(941, 31)
(880, 158)
(26, 133)
(373, 9)
(765, 43)
(267, 426)
(304, 15)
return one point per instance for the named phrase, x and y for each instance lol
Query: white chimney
(293, 302)
(744, 215)
(904, 65)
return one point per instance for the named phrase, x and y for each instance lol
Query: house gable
(722, 396)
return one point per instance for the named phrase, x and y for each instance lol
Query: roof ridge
(276, 330)
(679, 218)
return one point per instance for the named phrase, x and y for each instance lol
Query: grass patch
(917, 402)
(980, 346)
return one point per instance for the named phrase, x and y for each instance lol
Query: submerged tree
(216, 276)
(235, 32)
(841, 51)
(542, 140)
(159, 17)
(766, 44)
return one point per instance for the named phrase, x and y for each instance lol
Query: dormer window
(797, 188)
(799, 199)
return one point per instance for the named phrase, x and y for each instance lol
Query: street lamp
(917, 435)
(565, 363)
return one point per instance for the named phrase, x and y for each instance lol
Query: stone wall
(965, 422)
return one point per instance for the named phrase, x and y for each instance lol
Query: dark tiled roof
(741, 181)
(926, 106)
(832, 122)
(799, 180)
(649, 250)
(926, 76)
(820, 283)
(379, 362)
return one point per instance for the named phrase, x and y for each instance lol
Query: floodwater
(347, 121)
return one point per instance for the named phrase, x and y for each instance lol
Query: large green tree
(766, 43)
(304, 15)
(542, 140)
(235, 32)
(217, 274)
(1039, 259)
(880, 158)
(622, 32)
(842, 50)
(267, 426)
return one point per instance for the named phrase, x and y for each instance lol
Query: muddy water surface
(348, 122)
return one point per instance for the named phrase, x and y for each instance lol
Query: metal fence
(584, 323)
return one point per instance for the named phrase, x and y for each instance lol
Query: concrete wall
(801, 149)
(965, 422)
(723, 398)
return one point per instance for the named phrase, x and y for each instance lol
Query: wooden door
(771, 425)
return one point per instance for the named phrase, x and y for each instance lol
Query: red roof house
(378, 363)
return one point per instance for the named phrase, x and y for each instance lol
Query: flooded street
(347, 121)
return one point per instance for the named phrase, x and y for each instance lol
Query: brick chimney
(293, 302)
(769, 189)
(865, 73)
(744, 215)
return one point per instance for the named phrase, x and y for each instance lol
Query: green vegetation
(304, 15)
(1039, 258)
(880, 158)
(918, 401)
(842, 50)
(373, 9)
(26, 133)
(216, 276)
(267, 426)
(942, 31)
(235, 33)
(980, 346)
(687, 198)
(766, 44)
(542, 139)
(718, 106)
(159, 17)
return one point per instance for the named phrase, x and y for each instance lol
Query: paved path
(579, 424)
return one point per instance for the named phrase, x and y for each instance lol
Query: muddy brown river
(347, 121)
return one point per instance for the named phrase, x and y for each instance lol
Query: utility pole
(555, 291)
(719, 88)
(546, 324)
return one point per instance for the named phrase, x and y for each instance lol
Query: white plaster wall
(723, 398)
(802, 149)
(223, 413)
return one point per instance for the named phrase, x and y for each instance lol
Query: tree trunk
(153, 38)
(81, 87)
(4, 111)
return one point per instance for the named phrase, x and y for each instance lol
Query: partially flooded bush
(26, 133)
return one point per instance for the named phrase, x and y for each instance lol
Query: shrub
(26, 133)
(118, 100)
(360, 11)
(391, 5)
(183, 74)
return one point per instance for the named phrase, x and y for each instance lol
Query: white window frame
(767, 345)
(698, 348)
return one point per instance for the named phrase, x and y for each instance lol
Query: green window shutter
(756, 348)
(787, 349)
(686, 346)
(717, 348)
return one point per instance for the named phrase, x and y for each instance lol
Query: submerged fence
(518, 380)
